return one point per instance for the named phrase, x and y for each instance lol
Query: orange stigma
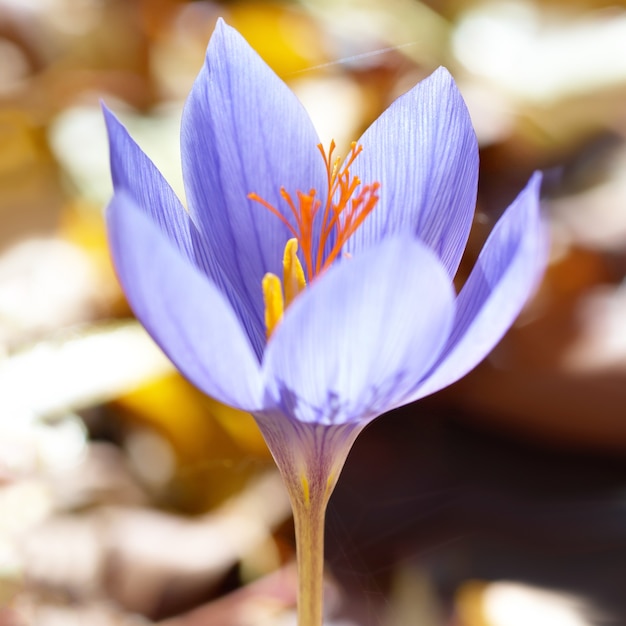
(344, 211)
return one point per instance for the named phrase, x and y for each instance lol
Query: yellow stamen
(273, 299)
(320, 235)
(293, 276)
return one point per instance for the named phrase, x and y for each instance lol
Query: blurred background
(127, 497)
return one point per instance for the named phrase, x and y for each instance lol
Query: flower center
(344, 210)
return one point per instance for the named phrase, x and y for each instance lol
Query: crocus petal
(183, 311)
(505, 275)
(423, 152)
(361, 335)
(135, 174)
(244, 131)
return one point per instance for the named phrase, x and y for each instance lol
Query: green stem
(309, 527)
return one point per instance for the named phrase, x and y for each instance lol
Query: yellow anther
(293, 277)
(273, 299)
(320, 226)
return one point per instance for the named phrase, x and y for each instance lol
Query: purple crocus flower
(365, 317)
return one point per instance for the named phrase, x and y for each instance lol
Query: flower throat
(344, 211)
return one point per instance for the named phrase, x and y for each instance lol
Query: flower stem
(310, 458)
(309, 527)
